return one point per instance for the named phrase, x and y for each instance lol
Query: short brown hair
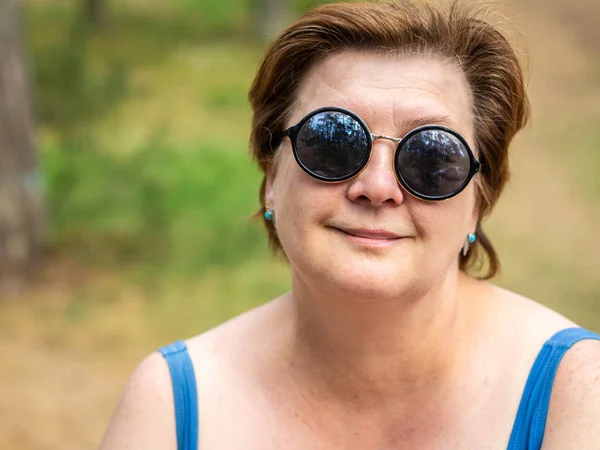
(490, 63)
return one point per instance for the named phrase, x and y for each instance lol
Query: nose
(377, 183)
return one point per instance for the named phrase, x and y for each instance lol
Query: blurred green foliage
(179, 210)
(168, 204)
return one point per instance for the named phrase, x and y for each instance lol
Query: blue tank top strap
(530, 423)
(185, 395)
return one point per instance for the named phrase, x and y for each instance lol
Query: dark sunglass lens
(433, 163)
(332, 145)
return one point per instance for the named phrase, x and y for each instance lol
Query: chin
(370, 280)
(360, 272)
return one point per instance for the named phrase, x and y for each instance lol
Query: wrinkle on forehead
(389, 90)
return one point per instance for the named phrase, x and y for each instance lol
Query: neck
(369, 352)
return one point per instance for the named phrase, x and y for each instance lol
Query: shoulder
(244, 336)
(574, 411)
(527, 320)
(521, 323)
(144, 417)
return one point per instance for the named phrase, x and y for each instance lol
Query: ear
(477, 204)
(271, 179)
(475, 215)
(269, 192)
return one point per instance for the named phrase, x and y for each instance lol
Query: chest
(254, 421)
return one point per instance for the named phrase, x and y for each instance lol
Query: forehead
(390, 92)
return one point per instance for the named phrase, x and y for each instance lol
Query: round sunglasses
(432, 162)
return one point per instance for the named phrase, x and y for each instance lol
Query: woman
(382, 130)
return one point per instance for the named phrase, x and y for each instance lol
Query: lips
(367, 233)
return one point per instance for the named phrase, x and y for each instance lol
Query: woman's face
(367, 237)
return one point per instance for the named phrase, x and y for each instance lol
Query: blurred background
(126, 189)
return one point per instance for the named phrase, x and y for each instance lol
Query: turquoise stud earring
(270, 215)
(469, 239)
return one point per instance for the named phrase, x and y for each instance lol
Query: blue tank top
(528, 428)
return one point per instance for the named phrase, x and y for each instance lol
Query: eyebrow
(412, 123)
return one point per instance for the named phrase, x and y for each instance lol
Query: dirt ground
(58, 388)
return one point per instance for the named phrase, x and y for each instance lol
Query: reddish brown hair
(458, 32)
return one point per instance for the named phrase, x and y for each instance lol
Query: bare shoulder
(574, 411)
(144, 417)
(245, 334)
(525, 320)
(516, 328)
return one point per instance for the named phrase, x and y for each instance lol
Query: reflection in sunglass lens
(332, 145)
(433, 163)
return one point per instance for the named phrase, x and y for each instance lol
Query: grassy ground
(143, 131)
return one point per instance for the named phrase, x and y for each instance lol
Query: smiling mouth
(368, 236)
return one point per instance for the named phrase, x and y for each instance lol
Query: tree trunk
(272, 16)
(20, 197)
(96, 12)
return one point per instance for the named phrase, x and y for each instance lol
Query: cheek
(299, 196)
(446, 223)
(303, 206)
(294, 199)
(284, 193)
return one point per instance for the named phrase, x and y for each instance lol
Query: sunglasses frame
(293, 131)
